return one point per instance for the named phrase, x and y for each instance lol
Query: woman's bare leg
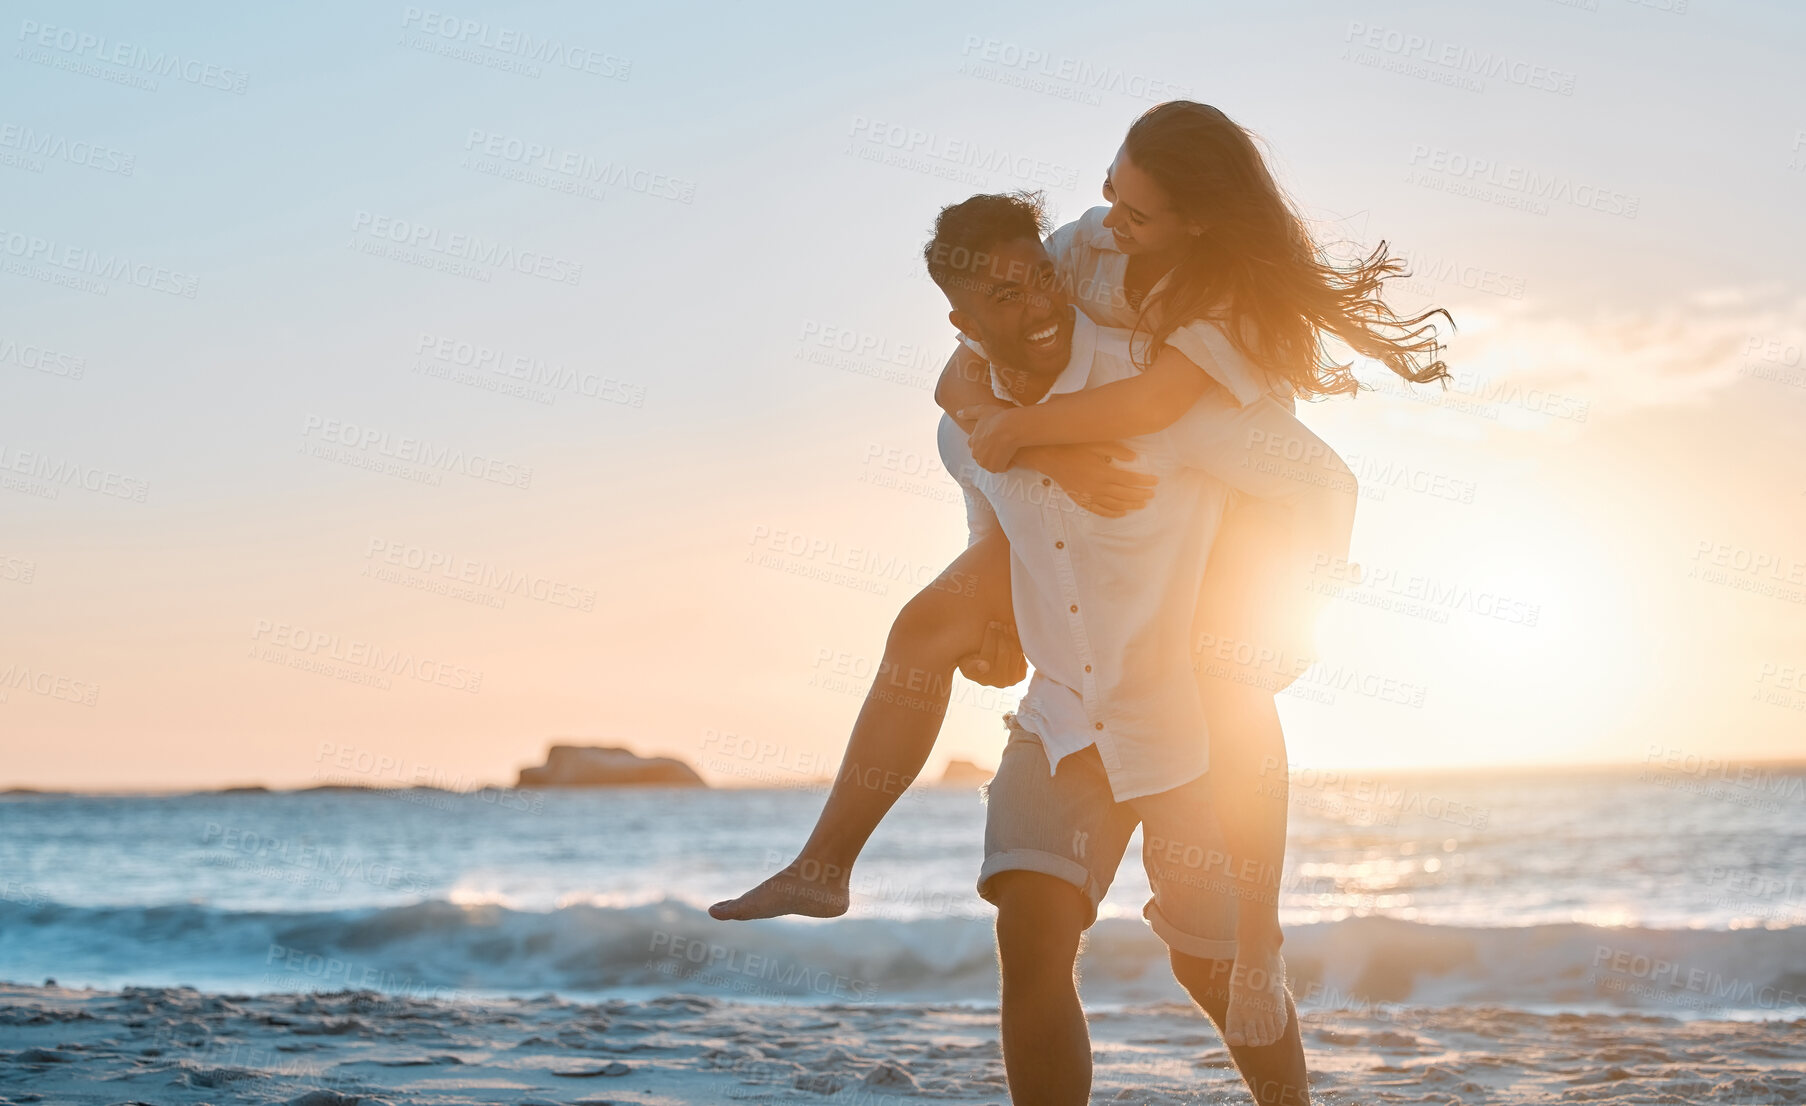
(1250, 798)
(1252, 642)
(894, 733)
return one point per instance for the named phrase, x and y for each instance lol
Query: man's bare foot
(1257, 997)
(807, 887)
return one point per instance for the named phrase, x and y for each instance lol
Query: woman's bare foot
(808, 887)
(1257, 996)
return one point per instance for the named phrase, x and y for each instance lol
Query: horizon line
(1527, 767)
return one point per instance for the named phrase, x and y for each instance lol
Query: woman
(1199, 251)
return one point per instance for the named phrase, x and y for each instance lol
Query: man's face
(1012, 302)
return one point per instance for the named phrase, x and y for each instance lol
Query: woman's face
(1141, 216)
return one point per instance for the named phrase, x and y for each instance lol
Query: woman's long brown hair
(1256, 263)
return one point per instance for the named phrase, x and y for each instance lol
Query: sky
(387, 391)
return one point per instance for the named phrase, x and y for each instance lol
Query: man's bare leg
(1275, 1073)
(893, 735)
(1046, 1044)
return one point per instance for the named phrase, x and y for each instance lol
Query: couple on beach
(1153, 529)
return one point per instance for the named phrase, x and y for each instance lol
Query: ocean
(1674, 889)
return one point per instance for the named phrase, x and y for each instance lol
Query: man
(1111, 731)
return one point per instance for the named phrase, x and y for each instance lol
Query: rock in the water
(333, 1098)
(963, 773)
(599, 766)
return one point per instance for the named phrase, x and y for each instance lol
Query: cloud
(1553, 358)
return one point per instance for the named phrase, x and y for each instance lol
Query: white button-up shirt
(1092, 266)
(1104, 606)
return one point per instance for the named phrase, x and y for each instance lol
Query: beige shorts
(1071, 827)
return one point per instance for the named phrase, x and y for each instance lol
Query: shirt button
(1100, 725)
(1087, 668)
(1046, 483)
(1059, 545)
(1075, 608)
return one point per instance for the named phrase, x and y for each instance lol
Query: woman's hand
(1092, 475)
(999, 661)
(994, 441)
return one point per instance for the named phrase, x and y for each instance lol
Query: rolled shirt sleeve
(1207, 347)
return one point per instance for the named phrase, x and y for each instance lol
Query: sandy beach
(265, 948)
(180, 1047)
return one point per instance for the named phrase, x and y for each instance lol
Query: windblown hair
(1256, 264)
(965, 233)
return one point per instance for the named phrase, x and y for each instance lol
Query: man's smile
(1043, 340)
